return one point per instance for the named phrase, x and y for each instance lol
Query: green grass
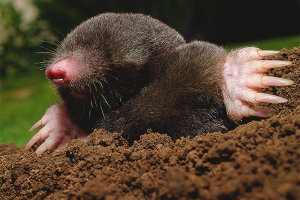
(25, 98)
(270, 44)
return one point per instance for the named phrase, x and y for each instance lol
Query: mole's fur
(185, 100)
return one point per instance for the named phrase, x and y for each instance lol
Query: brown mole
(129, 72)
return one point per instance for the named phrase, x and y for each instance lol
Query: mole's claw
(33, 140)
(60, 138)
(275, 81)
(268, 64)
(39, 136)
(263, 81)
(50, 143)
(263, 53)
(268, 98)
(36, 125)
(258, 112)
(42, 149)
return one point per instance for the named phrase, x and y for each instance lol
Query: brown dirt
(257, 160)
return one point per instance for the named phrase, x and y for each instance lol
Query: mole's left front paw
(244, 76)
(58, 130)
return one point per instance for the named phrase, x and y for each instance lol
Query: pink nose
(64, 71)
(57, 75)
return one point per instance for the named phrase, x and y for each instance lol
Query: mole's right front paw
(58, 130)
(244, 76)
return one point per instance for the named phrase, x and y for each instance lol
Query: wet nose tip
(56, 74)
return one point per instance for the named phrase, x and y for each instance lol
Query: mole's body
(183, 100)
(129, 73)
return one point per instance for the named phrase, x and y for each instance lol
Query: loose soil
(258, 160)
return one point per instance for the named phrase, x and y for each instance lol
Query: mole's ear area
(244, 76)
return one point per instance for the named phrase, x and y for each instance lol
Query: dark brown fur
(141, 74)
(185, 100)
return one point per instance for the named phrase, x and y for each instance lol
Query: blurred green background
(31, 26)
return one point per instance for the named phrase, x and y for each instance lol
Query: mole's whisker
(113, 76)
(60, 33)
(95, 101)
(42, 62)
(78, 112)
(105, 101)
(108, 69)
(90, 111)
(50, 50)
(83, 106)
(104, 79)
(101, 85)
(47, 53)
(42, 68)
(91, 102)
(102, 111)
(49, 42)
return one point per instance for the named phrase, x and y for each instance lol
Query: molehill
(258, 160)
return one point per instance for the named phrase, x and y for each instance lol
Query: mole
(129, 73)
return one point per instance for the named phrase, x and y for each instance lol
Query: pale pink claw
(263, 53)
(268, 64)
(268, 98)
(275, 81)
(244, 76)
(257, 112)
(58, 130)
(36, 125)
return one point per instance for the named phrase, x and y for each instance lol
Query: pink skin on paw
(244, 76)
(58, 130)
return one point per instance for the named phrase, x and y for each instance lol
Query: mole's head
(107, 56)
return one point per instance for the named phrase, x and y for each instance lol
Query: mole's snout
(57, 75)
(64, 71)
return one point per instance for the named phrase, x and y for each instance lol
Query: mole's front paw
(58, 130)
(244, 76)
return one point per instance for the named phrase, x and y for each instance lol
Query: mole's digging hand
(244, 76)
(58, 130)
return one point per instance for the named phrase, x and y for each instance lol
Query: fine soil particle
(257, 160)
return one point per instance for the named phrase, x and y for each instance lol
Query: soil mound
(257, 160)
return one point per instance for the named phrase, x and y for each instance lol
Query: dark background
(217, 21)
